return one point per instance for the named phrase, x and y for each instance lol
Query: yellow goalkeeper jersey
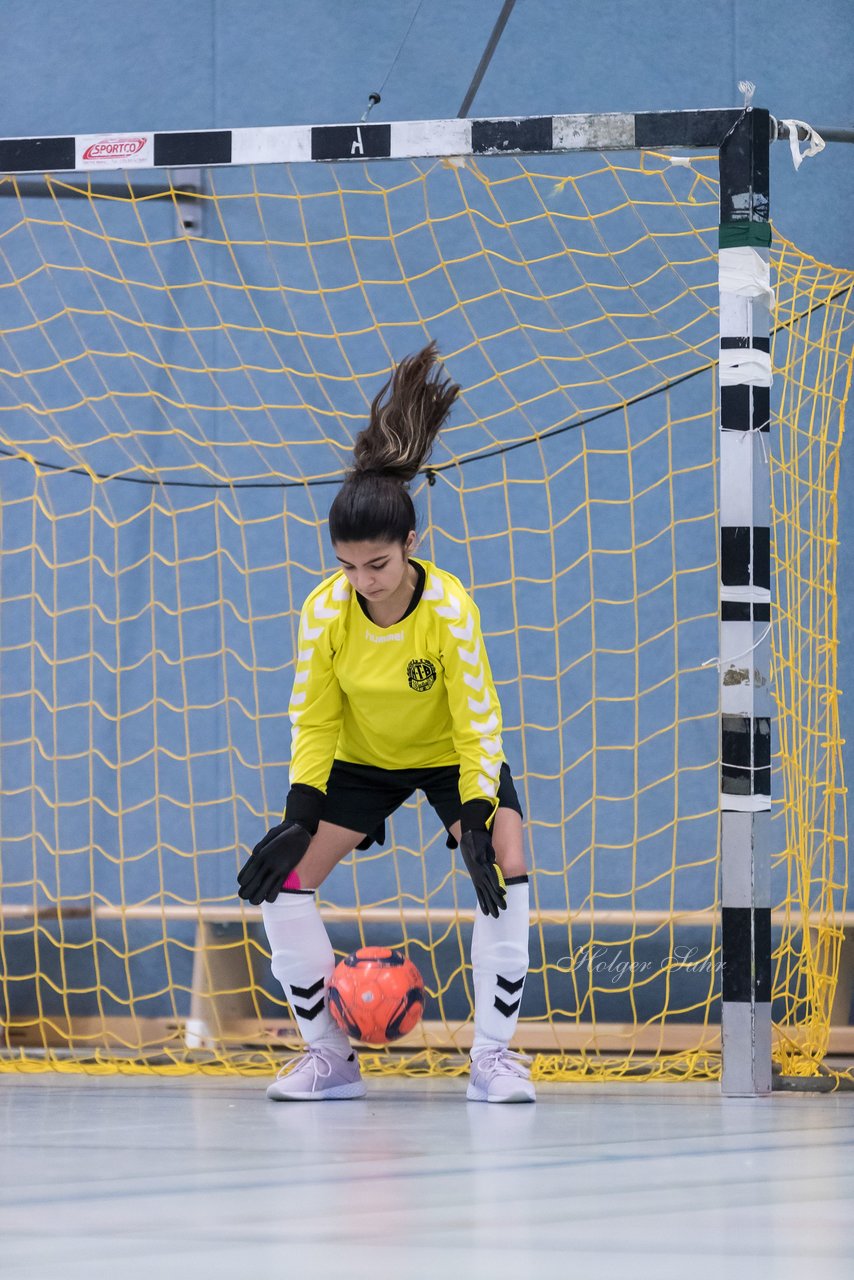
(417, 694)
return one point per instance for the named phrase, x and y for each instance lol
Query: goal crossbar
(394, 140)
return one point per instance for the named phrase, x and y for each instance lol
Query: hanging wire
(374, 98)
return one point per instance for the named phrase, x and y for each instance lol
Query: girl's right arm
(314, 708)
(315, 714)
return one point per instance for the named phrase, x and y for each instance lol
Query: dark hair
(373, 504)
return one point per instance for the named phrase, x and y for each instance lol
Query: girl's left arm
(473, 702)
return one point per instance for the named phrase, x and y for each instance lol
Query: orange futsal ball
(376, 995)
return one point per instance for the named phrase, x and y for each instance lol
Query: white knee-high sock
(499, 957)
(303, 961)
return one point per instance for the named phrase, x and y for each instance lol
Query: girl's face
(375, 569)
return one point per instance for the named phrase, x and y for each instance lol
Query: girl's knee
(508, 843)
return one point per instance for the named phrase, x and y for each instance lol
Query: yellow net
(175, 411)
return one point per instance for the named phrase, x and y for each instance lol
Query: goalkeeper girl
(393, 693)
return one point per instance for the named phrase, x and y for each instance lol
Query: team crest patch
(421, 675)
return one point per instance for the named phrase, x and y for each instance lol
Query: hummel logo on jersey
(421, 674)
(395, 635)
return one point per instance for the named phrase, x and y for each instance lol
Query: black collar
(413, 603)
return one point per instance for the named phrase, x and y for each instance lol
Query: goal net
(177, 405)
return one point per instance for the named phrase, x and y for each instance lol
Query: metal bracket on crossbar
(187, 187)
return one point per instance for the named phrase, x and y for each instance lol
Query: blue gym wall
(95, 66)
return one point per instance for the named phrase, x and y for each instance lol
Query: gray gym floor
(145, 1177)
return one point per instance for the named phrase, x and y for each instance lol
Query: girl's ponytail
(373, 504)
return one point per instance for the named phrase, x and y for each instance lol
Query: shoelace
(507, 1061)
(318, 1057)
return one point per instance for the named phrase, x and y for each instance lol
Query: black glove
(283, 847)
(271, 861)
(479, 857)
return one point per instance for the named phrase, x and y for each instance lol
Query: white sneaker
(317, 1074)
(500, 1075)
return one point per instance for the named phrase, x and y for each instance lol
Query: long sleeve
(472, 698)
(315, 706)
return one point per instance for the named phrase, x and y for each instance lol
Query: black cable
(430, 471)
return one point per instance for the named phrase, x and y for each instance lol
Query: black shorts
(361, 796)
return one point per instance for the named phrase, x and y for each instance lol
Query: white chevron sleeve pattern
(472, 699)
(315, 705)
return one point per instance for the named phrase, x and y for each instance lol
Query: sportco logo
(114, 148)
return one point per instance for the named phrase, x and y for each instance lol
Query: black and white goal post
(746, 300)
(742, 137)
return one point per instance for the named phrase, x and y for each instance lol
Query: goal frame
(742, 138)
